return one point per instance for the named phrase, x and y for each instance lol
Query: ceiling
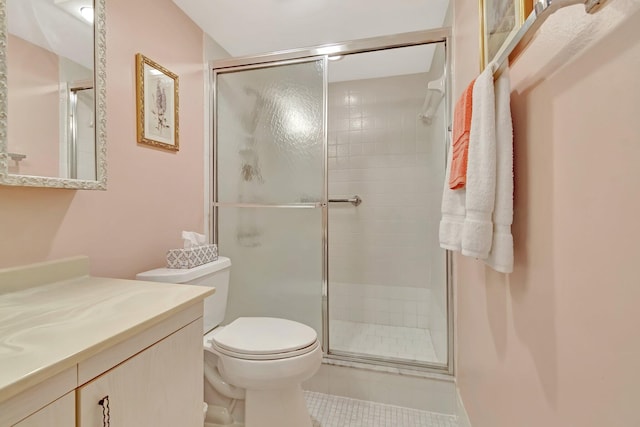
(260, 26)
(55, 25)
(257, 26)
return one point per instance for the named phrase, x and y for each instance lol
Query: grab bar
(355, 200)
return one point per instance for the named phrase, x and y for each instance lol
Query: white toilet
(263, 359)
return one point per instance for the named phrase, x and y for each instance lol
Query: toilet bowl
(263, 360)
(269, 358)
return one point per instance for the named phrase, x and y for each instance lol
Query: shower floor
(396, 342)
(334, 411)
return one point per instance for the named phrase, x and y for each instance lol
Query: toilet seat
(264, 338)
(272, 356)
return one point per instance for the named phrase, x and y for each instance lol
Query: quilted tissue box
(191, 257)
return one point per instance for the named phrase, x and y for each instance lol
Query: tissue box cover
(192, 257)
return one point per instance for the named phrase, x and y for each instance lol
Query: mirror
(52, 93)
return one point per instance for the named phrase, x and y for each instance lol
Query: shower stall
(327, 167)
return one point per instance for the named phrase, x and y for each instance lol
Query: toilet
(263, 360)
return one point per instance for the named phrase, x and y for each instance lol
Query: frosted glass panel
(276, 256)
(270, 134)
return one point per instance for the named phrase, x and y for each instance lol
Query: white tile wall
(381, 305)
(389, 342)
(438, 327)
(381, 150)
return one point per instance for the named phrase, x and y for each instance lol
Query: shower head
(435, 94)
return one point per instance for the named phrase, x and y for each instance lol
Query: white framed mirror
(52, 94)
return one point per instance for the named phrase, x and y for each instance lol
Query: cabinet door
(159, 387)
(60, 413)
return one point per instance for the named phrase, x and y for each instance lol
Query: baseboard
(463, 418)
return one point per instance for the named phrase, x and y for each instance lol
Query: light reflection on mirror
(51, 107)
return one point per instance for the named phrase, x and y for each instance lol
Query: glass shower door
(387, 133)
(270, 192)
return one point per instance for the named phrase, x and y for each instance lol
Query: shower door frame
(295, 56)
(72, 139)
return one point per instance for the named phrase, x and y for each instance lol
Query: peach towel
(461, 129)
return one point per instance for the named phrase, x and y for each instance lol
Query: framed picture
(499, 21)
(157, 104)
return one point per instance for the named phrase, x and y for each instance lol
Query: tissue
(194, 253)
(193, 239)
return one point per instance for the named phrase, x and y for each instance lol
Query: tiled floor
(335, 411)
(381, 340)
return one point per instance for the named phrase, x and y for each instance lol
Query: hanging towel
(501, 255)
(477, 232)
(453, 212)
(461, 128)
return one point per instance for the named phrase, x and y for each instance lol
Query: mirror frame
(100, 77)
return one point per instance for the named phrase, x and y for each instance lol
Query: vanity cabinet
(66, 345)
(155, 386)
(60, 413)
(160, 387)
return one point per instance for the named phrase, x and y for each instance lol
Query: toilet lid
(264, 336)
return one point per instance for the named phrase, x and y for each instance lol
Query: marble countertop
(48, 328)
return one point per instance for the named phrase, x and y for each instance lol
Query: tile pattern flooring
(381, 340)
(335, 411)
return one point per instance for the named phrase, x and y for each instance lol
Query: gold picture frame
(157, 105)
(499, 21)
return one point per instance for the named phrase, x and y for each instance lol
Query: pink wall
(556, 342)
(33, 121)
(152, 194)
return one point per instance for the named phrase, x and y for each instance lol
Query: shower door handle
(355, 200)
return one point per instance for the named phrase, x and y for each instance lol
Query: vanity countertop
(46, 328)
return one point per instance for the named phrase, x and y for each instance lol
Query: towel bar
(541, 11)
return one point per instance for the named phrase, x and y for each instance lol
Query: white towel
(501, 255)
(453, 212)
(477, 231)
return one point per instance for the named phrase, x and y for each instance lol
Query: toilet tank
(212, 274)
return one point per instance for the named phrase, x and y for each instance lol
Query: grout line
(335, 411)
